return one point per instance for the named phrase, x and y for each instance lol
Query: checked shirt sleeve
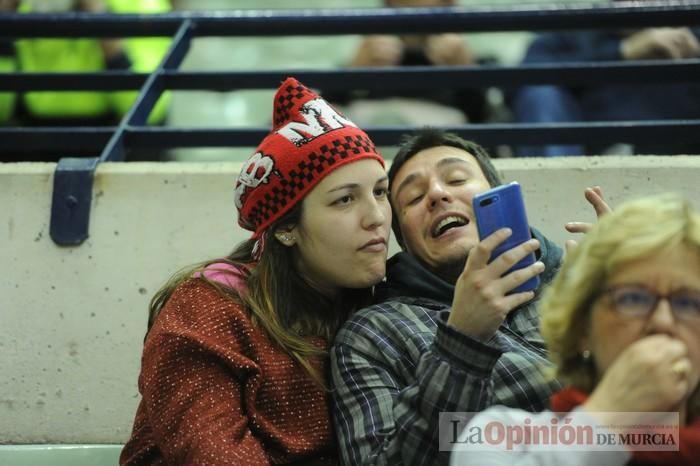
(389, 390)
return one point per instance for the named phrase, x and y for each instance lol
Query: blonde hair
(638, 229)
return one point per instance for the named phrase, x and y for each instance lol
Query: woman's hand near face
(642, 379)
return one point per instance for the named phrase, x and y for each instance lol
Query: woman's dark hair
(278, 298)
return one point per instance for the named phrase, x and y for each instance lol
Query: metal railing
(74, 176)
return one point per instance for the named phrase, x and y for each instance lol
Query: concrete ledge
(60, 455)
(73, 319)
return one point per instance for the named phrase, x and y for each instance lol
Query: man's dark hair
(426, 138)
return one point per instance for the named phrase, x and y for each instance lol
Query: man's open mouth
(447, 223)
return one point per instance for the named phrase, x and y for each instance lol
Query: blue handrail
(73, 177)
(523, 17)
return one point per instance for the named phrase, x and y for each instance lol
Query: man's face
(432, 194)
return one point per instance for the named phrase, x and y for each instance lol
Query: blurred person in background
(609, 102)
(58, 55)
(423, 106)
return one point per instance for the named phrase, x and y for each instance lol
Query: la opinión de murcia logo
(576, 431)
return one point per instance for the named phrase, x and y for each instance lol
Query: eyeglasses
(638, 301)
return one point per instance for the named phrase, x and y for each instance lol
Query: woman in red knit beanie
(234, 361)
(622, 323)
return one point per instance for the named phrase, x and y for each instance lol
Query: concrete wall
(72, 319)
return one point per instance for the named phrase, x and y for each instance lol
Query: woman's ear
(286, 236)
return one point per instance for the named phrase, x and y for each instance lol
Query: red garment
(689, 444)
(309, 139)
(216, 390)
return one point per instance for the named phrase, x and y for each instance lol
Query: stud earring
(286, 238)
(586, 355)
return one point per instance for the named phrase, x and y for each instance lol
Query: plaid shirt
(397, 365)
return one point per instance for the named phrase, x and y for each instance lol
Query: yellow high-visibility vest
(85, 55)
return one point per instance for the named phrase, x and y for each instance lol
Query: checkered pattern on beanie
(330, 153)
(308, 141)
(285, 102)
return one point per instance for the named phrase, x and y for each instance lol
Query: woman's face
(677, 274)
(343, 235)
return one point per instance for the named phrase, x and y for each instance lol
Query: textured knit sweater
(216, 390)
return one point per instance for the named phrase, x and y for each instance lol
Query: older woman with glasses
(622, 323)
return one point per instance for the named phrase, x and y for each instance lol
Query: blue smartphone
(502, 207)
